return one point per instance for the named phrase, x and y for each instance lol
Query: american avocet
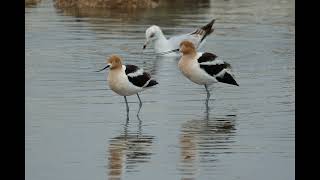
(160, 43)
(127, 80)
(203, 68)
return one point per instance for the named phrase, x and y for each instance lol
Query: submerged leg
(125, 98)
(140, 104)
(140, 126)
(208, 93)
(207, 109)
(208, 96)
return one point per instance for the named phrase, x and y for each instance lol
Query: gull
(160, 43)
(127, 80)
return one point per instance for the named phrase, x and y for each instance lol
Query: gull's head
(187, 47)
(152, 33)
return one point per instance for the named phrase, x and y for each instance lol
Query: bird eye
(152, 35)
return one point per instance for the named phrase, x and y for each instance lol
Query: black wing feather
(131, 68)
(215, 69)
(211, 69)
(205, 30)
(206, 57)
(152, 83)
(228, 79)
(140, 80)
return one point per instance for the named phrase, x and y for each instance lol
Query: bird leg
(207, 109)
(208, 93)
(208, 96)
(125, 98)
(140, 104)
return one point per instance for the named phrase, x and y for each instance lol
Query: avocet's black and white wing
(216, 68)
(138, 77)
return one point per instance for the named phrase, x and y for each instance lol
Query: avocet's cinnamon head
(114, 62)
(187, 47)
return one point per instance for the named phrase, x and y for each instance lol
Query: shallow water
(77, 128)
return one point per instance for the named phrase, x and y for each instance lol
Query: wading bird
(203, 68)
(127, 80)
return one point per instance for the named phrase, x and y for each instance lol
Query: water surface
(77, 128)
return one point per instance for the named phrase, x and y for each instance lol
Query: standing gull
(203, 68)
(127, 80)
(160, 43)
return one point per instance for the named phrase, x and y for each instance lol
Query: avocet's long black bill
(168, 52)
(103, 68)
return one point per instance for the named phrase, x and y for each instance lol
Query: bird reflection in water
(128, 150)
(202, 140)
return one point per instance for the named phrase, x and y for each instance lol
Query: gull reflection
(128, 150)
(201, 141)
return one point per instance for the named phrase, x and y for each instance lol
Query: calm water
(76, 127)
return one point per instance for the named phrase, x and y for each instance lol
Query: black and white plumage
(203, 68)
(206, 69)
(138, 77)
(127, 80)
(216, 68)
(204, 31)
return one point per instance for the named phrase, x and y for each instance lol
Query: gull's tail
(204, 31)
(207, 29)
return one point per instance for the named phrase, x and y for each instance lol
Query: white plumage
(119, 83)
(160, 43)
(191, 69)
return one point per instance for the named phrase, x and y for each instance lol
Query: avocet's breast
(119, 83)
(190, 68)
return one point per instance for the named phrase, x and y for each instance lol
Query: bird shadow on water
(201, 142)
(128, 151)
